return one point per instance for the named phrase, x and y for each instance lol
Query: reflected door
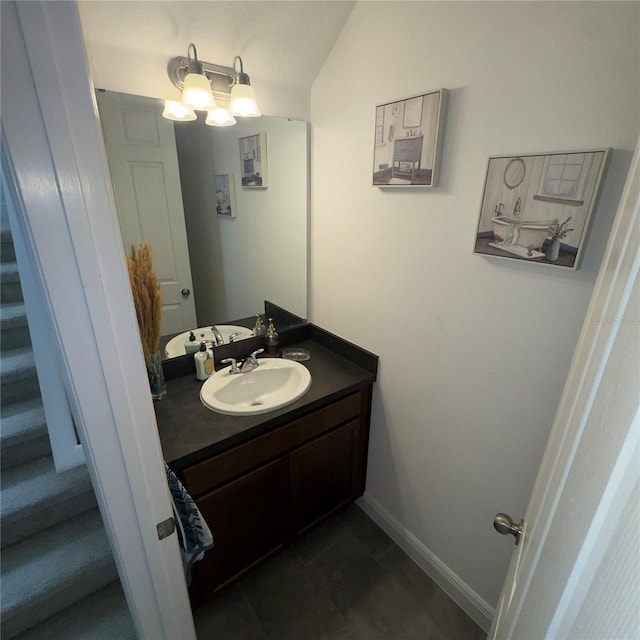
(141, 151)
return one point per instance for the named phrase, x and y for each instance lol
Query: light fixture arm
(194, 66)
(239, 77)
(220, 77)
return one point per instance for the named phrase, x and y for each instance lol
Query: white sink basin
(175, 346)
(274, 384)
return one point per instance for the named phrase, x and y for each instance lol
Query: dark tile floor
(344, 580)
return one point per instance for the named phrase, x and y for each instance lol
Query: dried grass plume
(146, 297)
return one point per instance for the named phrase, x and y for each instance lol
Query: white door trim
(52, 141)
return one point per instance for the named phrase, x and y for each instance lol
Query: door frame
(55, 161)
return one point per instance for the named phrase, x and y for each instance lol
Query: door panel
(321, 476)
(590, 467)
(141, 151)
(254, 502)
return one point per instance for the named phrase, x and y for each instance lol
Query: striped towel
(194, 535)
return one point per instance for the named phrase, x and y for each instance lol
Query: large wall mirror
(220, 247)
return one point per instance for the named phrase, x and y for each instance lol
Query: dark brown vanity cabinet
(258, 496)
(249, 516)
(320, 476)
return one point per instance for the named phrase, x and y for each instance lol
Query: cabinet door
(249, 521)
(320, 476)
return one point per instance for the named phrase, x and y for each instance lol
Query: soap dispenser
(204, 362)
(191, 344)
(259, 329)
(271, 340)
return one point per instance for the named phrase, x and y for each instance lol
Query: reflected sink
(229, 332)
(273, 385)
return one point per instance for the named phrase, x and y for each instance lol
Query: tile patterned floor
(344, 580)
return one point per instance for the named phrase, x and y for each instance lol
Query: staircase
(58, 577)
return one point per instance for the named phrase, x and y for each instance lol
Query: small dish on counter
(297, 354)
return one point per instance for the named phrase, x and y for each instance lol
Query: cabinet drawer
(208, 474)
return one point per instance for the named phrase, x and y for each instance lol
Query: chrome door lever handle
(504, 524)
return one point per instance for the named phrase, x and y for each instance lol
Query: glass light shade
(174, 110)
(196, 92)
(220, 117)
(243, 101)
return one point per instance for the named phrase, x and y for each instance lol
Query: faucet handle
(256, 353)
(234, 367)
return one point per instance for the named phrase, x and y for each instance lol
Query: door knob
(504, 524)
(186, 292)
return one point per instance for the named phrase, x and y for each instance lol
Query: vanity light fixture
(196, 90)
(175, 110)
(220, 116)
(204, 83)
(243, 99)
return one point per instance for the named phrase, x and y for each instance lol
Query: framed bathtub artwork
(408, 140)
(538, 207)
(225, 195)
(253, 161)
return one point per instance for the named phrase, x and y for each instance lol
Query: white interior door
(574, 541)
(141, 151)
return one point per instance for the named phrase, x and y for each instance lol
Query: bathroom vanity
(261, 481)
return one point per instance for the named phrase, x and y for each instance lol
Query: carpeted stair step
(14, 327)
(35, 497)
(53, 570)
(23, 433)
(10, 288)
(18, 376)
(103, 615)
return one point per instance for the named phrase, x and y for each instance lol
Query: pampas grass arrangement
(146, 297)
(147, 300)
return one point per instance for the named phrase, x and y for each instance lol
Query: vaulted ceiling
(281, 42)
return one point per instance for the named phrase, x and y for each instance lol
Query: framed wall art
(408, 140)
(253, 161)
(538, 207)
(225, 195)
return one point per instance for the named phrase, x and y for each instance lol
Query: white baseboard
(458, 590)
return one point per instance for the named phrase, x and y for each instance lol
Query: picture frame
(408, 140)
(253, 161)
(225, 195)
(537, 207)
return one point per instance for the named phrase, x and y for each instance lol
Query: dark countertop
(189, 432)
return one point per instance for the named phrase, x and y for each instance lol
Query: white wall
(473, 350)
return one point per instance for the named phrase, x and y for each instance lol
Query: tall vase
(156, 376)
(553, 250)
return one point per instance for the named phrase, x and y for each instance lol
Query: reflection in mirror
(213, 269)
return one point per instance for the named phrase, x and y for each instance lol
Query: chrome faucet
(251, 362)
(217, 335)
